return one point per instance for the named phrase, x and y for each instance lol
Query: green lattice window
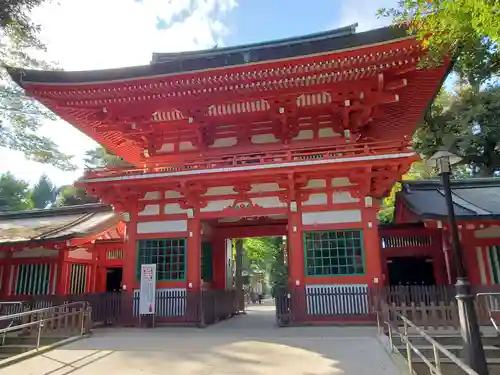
(334, 253)
(168, 254)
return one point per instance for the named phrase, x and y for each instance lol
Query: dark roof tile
(473, 199)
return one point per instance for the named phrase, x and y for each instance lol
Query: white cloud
(100, 34)
(364, 13)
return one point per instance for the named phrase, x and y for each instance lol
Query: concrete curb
(42, 349)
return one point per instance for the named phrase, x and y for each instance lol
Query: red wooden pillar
(62, 287)
(470, 256)
(372, 246)
(193, 277)
(295, 243)
(219, 262)
(95, 264)
(129, 258)
(6, 271)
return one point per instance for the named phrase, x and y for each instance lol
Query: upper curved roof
(175, 63)
(473, 199)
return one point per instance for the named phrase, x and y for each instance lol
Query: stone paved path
(249, 344)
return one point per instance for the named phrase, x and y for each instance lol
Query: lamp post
(469, 326)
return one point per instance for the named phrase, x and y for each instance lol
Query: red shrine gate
(302, 136)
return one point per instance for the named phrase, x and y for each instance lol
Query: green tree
(20, 116)
(464, 121)
(266, 254)
(44, 193)
(72, 196)
(101, 158)
(418, 171)
(470, 27)
(14, 193)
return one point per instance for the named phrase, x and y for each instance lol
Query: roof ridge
(341, 31)
(77, 221)
(54, 211)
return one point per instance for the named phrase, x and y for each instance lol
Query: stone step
(447, 340)
(31, 340)
(16, 349)
(5, 356)
(448, 368)
(428, 351)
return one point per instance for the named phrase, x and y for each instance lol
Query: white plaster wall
(173, 208)
(172, 194)
(220, 190)
(261, 188)
(162, 226)
(317, 198)
(344, 197)
(80, 253)
(224, 142)
(304, 134)
(327, 133)
(166, 147)
(152, 195)
(341, 181)
(39, 252)
(186, 146)
(315, 183)
(150, 210)
(264, 138)
(480, 262)
(331, 217)
(268, 202)
(215, 206)
(490, 232)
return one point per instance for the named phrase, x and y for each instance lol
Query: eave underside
(377, 104)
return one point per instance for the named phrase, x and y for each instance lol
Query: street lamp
(469, 326)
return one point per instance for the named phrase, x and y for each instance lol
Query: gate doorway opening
(114, 279)
(411, 271)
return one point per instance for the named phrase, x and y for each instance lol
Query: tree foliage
(14, 193)
(466, 120)
(72, 196)
(467, 123)
(418, 171)
(44, 193)
(470, 27)
(265, 254)
(101, 158)
(20, 116)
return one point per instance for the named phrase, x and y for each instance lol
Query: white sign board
(147, 298)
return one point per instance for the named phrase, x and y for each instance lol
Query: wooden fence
(426, 306)
(122, 308)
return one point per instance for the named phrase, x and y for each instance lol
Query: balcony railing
(262, 158)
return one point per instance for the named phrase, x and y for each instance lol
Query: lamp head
(443, 160)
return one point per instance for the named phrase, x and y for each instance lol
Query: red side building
(68, 250)
(477, 208)
(298, 137)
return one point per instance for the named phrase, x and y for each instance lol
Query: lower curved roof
(57, 224)
(473, 199)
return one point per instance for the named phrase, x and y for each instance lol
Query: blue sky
(126, 32)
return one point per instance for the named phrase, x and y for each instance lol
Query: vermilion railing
(261, 158)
